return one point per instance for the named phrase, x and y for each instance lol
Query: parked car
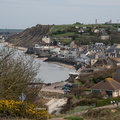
(48, 84)
(64, 87)
(69, 85)
(66, 90)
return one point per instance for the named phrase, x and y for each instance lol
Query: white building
(46, 39)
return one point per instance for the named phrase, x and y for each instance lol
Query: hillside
(30, 36)
(81, 34)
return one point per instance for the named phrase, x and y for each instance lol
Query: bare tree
(16, 73)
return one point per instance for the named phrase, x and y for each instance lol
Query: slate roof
(107, 61)
(107, 84)
(118, 71)
(112, 50)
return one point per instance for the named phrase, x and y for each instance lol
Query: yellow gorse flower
(19, 108)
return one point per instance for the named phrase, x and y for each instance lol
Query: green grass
(74, 118)
(64, 35)
(103, 114)
(79, 108)
(78, 82)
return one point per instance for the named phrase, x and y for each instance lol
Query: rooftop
(107, 84)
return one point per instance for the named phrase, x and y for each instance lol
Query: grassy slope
(82, 39)
(108, 113)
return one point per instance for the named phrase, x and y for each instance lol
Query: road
(85, 111)
(51, 88)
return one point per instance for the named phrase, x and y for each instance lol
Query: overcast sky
(27, 13)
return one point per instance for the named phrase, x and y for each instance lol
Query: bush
(74, 118)
(84, 101)
(106, 101)
(21, 109)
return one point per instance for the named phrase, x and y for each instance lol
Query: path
(57, 119)
(85, 111)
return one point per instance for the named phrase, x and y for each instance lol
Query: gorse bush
(21, 109)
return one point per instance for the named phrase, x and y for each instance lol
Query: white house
(46, 39)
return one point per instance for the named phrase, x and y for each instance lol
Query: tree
(16, 73)
(78, 91)
(54, 42)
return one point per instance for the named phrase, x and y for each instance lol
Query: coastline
(64, 65)
(25, 49)
(12, 46)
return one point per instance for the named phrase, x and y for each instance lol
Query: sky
(22, 14)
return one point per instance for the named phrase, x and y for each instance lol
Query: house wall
(64, 52)
(119, 92)
(46, 39)
(93, 61)
(118, 64)
(108, 66)
(104, 37)
(73, 54)
(116, 93)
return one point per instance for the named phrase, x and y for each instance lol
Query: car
(47, 84)
(68, 85)
(66, 90)
(64, 87)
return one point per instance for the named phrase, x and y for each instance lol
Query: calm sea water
(50, 72)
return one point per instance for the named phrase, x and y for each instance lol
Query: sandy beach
(64, 65)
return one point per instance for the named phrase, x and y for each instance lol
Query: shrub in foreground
(21, 109)
(74, 118)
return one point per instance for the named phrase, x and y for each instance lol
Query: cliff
(30, 36)
(65, 34)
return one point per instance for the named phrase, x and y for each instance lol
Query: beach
(25, 49)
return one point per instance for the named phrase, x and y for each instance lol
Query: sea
(49, 72)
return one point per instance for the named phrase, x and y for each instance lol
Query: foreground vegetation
(16, 74)
(11, 109)
(99, 113)
(18, 99)
(103, 114)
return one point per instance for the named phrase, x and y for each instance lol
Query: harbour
(50, 72)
